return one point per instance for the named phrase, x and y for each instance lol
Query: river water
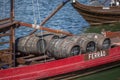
(67, 19)
(31, 11)
(110, 74)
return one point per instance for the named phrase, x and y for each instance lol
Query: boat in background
(97, 15)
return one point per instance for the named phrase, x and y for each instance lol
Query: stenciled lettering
(97, 55)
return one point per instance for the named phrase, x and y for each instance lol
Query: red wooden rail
(56, 67)
(113, 34)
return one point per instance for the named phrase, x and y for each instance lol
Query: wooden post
(12, 32)
(12, 39)
(12, 10)
(37, 27)
(12, 43)
(52, 14)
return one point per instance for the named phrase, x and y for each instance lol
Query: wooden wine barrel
(47, 36)
(102, 42)
(31, 44)
(44, 34)
(62, 48)
(87, 45)
(41, 34)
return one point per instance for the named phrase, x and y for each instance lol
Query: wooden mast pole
(12, 10)
(37, 27)
(105, 2)
(12, 31)
(52, 14)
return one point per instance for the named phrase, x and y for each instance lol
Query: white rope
(35, 23)
(74, 1)
(38, 10)
(41, 30)
(35, 18)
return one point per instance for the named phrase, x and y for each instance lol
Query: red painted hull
(58, 66)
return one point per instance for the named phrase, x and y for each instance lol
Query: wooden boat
(32, 67)
(58, 67)
(96, 15)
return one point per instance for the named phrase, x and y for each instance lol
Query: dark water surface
(111, 74)
(66, 19)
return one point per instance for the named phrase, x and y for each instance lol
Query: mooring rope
(41, 32)
(35, 23)
(35, 18)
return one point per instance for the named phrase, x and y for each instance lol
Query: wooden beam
(12, 11)
(4, 43)
(7, 25)
(52, 14)
(44, 28)
(5, 19)
(6, 34)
